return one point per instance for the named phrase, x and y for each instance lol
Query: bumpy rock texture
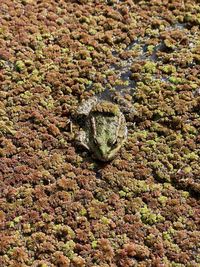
(58, 207)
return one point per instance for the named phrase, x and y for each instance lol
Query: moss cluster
(106, 107)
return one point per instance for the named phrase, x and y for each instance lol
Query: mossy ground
(61, 208)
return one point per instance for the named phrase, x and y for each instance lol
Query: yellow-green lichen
(148, 217)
